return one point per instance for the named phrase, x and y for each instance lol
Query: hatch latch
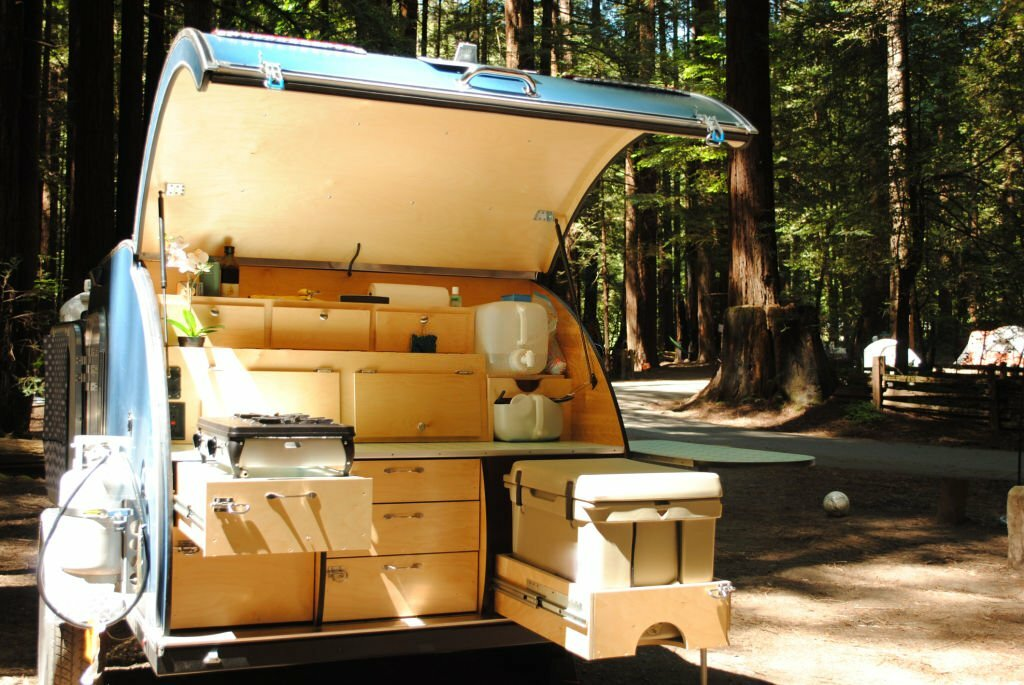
(715, 136)
(274, 76)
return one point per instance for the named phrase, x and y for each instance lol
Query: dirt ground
(883, 595)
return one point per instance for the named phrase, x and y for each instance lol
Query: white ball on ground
(836, 504)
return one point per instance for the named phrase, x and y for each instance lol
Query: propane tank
(88, 539)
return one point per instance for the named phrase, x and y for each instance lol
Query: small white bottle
(456, 298)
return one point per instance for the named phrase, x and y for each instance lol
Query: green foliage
(862, 413)
(25, 317)
(190, 326)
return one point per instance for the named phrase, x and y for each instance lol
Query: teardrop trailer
(305, 487)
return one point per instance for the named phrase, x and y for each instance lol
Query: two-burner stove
(245, 441)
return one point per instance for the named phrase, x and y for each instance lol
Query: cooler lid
(320, 155)
(613, 479)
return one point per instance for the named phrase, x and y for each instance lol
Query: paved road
(874, 455)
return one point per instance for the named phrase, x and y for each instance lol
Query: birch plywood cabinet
(418, 406)
(425, 544)
(453, 329)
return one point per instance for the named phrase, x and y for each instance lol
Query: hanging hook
(352, 261)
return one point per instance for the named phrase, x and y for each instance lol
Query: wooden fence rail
(993, 395)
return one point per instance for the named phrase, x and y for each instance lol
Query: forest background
(894, 156)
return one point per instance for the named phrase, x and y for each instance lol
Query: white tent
(1003, 345)
(886, 347)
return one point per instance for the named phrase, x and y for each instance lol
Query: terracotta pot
(198, 341)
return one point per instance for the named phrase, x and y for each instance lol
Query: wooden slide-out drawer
(418, 406)
(454, 330)
(243, 325)
(421, 480)
(424, 528)
(239, 590)
(398, 586)
(319, 328)
(273, 515)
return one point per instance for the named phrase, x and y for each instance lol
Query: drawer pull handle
(214, 311)
(277, 495)
(337, 573)
(410, 567)
(323, 316)
(421, 426)
(414, 515)
(424, 320)
(227, 505)
(404, 469)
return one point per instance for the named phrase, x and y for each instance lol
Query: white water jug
(513, 337)
(528, 417)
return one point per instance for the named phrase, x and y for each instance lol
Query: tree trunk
(199, 14)
(156, 51)
(423, 27)
(12, 193)
(640, 266)
(91, 229)
(907, 237)
(131, 136)
(563, 28)
(766, 349)
(547, 44)
(519, 51)
(408, 10)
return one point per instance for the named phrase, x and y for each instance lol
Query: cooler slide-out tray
(601, 624)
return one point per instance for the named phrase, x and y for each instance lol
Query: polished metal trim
(639, 121)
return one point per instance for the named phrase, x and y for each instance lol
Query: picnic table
(700, 456)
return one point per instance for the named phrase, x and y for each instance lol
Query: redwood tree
(519, 49)
(91, 230)
(767, 350)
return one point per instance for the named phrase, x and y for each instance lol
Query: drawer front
(273, 515)
(424, 528)
(421, 480)
(397, 586)
(312, 328)
(244, 326)
(418, 406)
(454, 330)
(239, 590)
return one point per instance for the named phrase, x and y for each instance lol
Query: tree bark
(199, 14)
(131, 135)
(907, 237)
(767, 350)
(547, 44)
(408, 10)
(519, 50)
(156, 52)
(11, 191)
(640, 266)
(91, 229)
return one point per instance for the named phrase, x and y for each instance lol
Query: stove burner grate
(286, 419)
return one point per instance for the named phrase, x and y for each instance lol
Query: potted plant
(193, 264)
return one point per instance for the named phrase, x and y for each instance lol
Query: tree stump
(1015, 526)
(771, 351)
(952, 502)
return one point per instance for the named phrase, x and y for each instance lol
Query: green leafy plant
(190, 326)
(863, 412)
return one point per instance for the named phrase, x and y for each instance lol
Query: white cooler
(614, 523)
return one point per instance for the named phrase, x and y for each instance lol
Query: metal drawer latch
(227, 505)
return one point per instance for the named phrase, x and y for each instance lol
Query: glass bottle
(229, 272)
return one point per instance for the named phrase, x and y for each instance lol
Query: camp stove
(275, 441)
